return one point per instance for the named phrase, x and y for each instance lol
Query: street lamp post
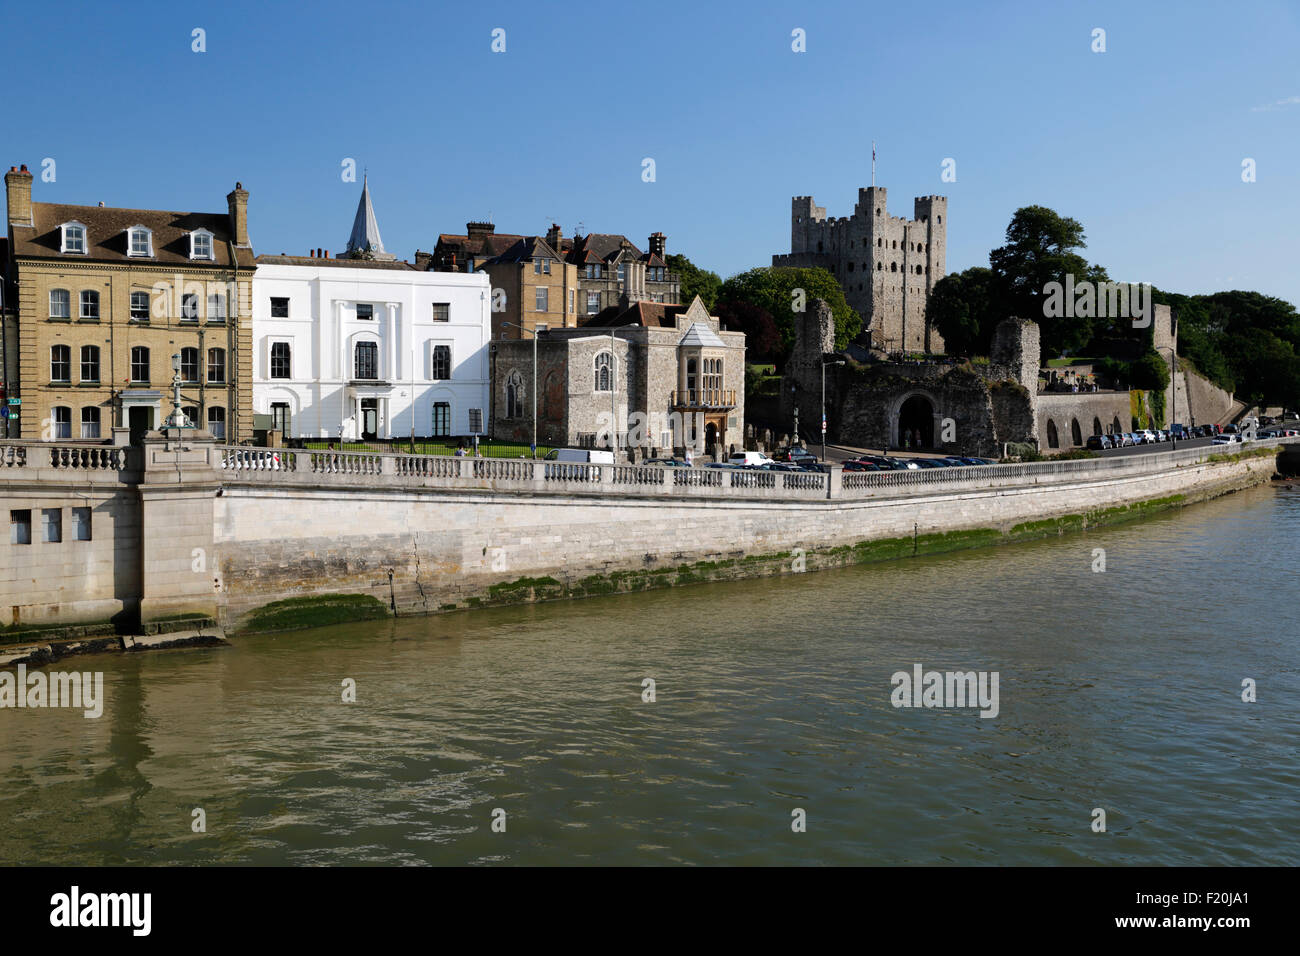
(824, 364)
(613, 396)
(1173, 387)
(533, 333)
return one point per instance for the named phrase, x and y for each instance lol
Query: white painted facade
(330, 388)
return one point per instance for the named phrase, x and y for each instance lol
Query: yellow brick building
(107, 296)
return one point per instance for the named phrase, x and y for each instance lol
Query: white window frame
(64, 243)
(451, 359)
(67, 304)
(542, 292)
(595, 368)
(271, 343)
(131, 235)
(194, 245)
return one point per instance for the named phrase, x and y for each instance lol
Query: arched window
(1076, 435)
(139, 364)
(90, 363)
(90, 422)
(60, 363)
(1096, 426)
(216, 366)
(1052, 440)
(61, 418)
(893, 267)
(367, 360)
(1115, 428)
(604, 372)
(60, 304)
(189, 365)
(515, 395)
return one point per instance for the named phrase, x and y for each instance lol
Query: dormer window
(74, 238)
(201, 244)
(139, 241)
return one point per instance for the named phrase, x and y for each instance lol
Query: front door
(711, 439)
(369, 419)
(140, 420)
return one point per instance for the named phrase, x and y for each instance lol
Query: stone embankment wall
(198, 530)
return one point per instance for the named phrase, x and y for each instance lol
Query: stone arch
(1053, 441)
(1096, 426)
(913, 411)
(1076, 434)
(1117, 428)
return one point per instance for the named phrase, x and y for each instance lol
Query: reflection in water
(1119, 690)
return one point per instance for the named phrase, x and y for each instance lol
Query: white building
(363, 346)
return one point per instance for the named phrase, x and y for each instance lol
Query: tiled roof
(528, 247)
(700, 335)
(106, 238)
(650, 314)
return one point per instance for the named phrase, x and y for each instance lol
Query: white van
(755, 458)
(586, 456)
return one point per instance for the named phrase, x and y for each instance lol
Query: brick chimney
(18, 190)
(553, 236)
(479, 230)
(237, 203)
(423, 260)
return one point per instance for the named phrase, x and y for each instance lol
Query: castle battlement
(885, 264)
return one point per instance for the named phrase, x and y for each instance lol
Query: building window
(604, 372)
(279, 307)
(537, 267)
(441, 419)
(140, 364)
(476, 421)
(191, 414)
(74, 238)
(712, 374)
(573, 296)
(542, 298)
(61, 417)
(52, 524)
(593, 303)
(20, 526)
(140, 306)
(441, 363)
(622, 272)
(60, 304)
(189, 307)
(595, 270)
(90, 422)
(90, 305)
(442, 311)
(90, 363)
(217, 307)
(515, 395)
(216, 366)
(81, 524)
(217, 422)
(60, 363)
(141, 242)
(280, 355)
(201, 245)
(189, 365)
(365, 312)
(367, 360)
(280, 417)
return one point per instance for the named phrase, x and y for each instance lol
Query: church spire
(365, 243)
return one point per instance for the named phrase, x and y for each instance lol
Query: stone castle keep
(886, 265)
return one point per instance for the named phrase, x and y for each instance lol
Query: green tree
(1041, 247)
(1149, 373)
(774, 290)
(961, 309)
(696, 281)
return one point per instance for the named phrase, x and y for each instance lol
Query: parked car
(755, 458)
(1099, 442)
(1225, 439)
(1179, 432)
(667, 462)
(1229, 430)
(780, 466)
(862, 466)
(904, 464)
(930, 463)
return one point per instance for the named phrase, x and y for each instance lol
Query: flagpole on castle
(873, 162)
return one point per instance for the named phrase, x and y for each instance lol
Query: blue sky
(1143, 143)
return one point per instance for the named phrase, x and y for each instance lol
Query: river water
(1118, 689)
